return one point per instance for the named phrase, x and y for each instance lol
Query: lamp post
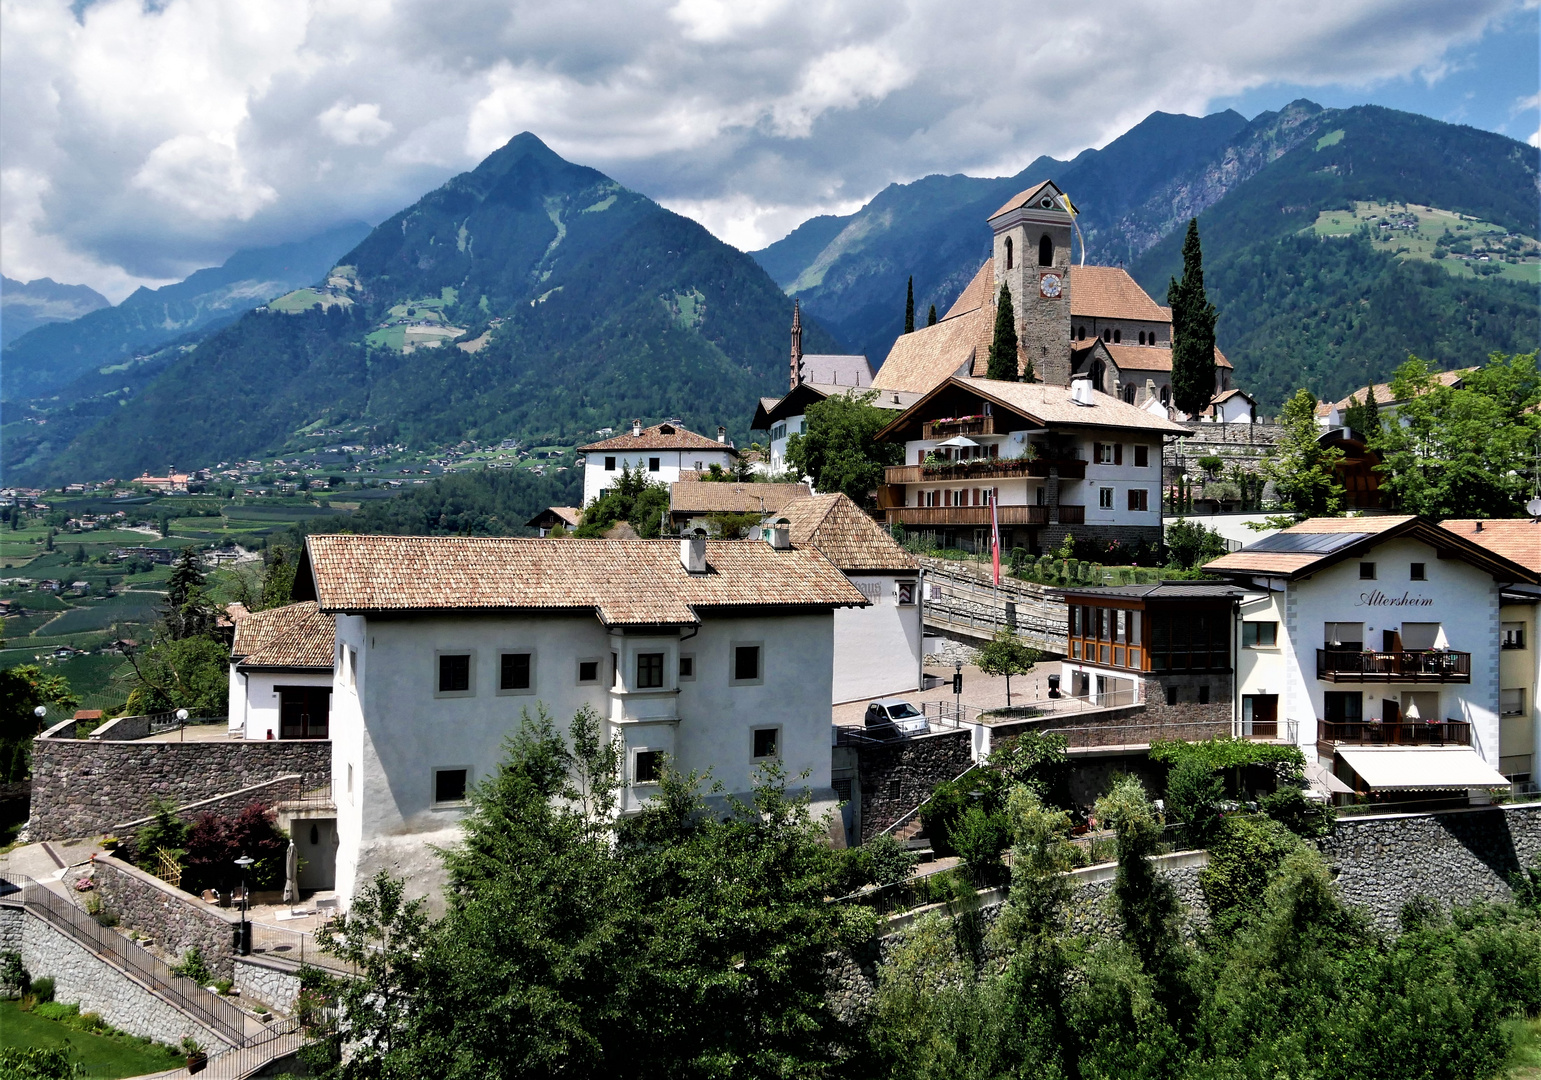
(40, 712)
(182, 726)
(243, 935)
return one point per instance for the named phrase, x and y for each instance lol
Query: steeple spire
(797, 345)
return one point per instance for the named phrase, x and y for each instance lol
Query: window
(1366, 571)
(1259, 635)
(352, 666)
(1118, 336)
(1107, 335)
(1142, 337)
(1339, 707)
(1171, 695)
(1139, 499)
(1105, 498)
(779, 431)
(895, 789)
(449, 785)
(647, 767)
(1010, 255)
(350, 781)
(516, 672)
(1343, 636)
(1045, 251)
(746, 664)
(1108, 453)
(1128, 394)
(1080, 333)
(767, 743)
(588, 671)
(1514, 635)
(303, 711)
(1141, 455)
(652, 464)
(1204, 694)
(687, 667)
(1511, 702)
(1416, 572)
(609, 464)
(1166, 395)
(650, 671)
(698, 467)
(455, 675)
(904, 593)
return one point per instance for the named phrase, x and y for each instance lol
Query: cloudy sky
(141, 139)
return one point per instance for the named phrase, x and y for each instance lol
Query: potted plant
(196, 1058)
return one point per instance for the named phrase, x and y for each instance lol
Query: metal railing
(1401, 733)
(1410, 665)
(295, 946)
(210, 1010)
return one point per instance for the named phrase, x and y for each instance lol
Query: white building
(1054, 459)
(1376, 640)
(660, 452)
(712, 654)
(281, 673)
(878, 647)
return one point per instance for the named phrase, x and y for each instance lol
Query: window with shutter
(1118, 453)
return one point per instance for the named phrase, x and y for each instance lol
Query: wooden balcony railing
(968, 425)
(984, 469)
(1072, 515)
(966, 515)
(1401, 733)
(1415, 666)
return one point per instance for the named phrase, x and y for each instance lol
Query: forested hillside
(530, 298)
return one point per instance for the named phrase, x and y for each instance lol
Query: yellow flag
(1066, 200)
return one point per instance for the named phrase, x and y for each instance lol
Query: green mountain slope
(51, 357)
(586, 305)
(1335, 312)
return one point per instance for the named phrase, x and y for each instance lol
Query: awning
(1421, 768)
(1321, 777)
(958, 440)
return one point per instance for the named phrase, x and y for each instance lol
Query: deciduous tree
(1301, 469)
(840, 451)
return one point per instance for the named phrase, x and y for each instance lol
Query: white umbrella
(1440, 640)
(958, 440)
(291, 874)
(1412, 712)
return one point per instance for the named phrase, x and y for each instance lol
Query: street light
(243, 935)
(181, 725)
(40, 712)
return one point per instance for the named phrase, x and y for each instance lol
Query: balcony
(966, 515)
(958, 425)
(984, 469)
(1072, 515)
(1413, 666)
(1400, 733)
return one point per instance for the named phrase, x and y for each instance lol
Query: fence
(210, 1010)
(295, 946)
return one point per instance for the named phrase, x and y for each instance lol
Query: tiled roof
(1383, 395)
(714, 497)
(1516, 539)
(1150, 357)
(1108, 292)
(292, 636)
(847, 537)
(1022, 198)
(622, 582)
(1052, 405)
(979, 292)
(928, 356)
(660, 437)
(568, 515)
(836, 369)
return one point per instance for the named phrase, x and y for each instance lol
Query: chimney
(636, 428)
(693, 553)
(779, 535)
(797, 345)
(722, 434)
(1081, 390)
(1479, 526)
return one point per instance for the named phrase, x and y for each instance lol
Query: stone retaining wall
(174, 920)
(898, 776)
(84, 788)
(1450, 857)
(276, 985)
(80, 976)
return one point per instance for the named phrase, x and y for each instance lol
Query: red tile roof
(292, 636)
(1516, 539)
(667, 436)
(845, 536)
(1108, 292)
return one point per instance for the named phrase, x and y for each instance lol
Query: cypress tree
(931, 316)
(1003, 349)
(1371, 413)
(1193, 331)
(909, 308)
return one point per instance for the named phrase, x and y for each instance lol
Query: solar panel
(1307, 543)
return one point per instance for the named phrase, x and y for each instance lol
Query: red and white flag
(995, 536)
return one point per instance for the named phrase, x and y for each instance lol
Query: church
(1073, 321)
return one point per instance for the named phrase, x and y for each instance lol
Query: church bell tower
(1032, 259)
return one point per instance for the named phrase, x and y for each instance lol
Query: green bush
(13, 975)
(33, 1063)
(1193, 796)
(1245, 853)
(1290, 807)
(980, 837)
(194, 967)
(43, 990)
(882, 860)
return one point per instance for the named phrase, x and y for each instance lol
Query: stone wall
(1450, 857)
(83, 788)
(896, 777)
(80, 976)
(174, 920)
(268, 794)
(275, 984)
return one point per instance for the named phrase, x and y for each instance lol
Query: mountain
(530, 298)
(26, 305)
(50, 357)
(1289, 311)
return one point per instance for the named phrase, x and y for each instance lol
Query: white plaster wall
(795, 425)
(1521, 669)
(670, 462)
(877, 648)
(254, 701)
(390, 821)
(1461, 598)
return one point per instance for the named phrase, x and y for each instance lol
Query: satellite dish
(1533, 507)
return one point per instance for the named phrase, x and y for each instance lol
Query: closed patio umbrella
(291, 874)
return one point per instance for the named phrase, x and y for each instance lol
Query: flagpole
(995, 547)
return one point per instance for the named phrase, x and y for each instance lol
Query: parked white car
(896, 715)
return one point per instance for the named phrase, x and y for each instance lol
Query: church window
(1142, 337)
(1046, 251)
(1129, 394)
(1107, 335)
(1118, 335)
(1008, 253)
(1080, 333)
(1166, 395)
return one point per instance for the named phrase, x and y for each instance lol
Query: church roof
(1108, 292)
(1150, 357)
(836, 369)
(1022, 198)
(928, 356)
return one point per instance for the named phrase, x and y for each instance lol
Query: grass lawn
(1525, 1057)
(1419, 243)
(102, 1055)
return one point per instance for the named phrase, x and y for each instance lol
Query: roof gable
(844, 535)
(293, 636)
(666, 436)
(1028, 197)
(1039, 404)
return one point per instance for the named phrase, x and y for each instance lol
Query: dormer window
(1009, 261)
(665, 429)
(1046, 250)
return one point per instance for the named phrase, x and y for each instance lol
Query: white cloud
(355, 125)
(149, 139)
